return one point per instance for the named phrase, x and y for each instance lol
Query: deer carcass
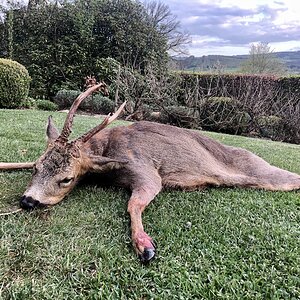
(144, 157)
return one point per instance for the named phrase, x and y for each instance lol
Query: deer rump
(186, 159)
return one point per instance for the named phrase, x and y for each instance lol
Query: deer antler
(108, 119)
(67, 129)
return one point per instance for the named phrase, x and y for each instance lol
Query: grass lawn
(212, 244)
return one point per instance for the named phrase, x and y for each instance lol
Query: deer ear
(52, 132)
(102, 163)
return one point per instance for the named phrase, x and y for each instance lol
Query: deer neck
(98, 144)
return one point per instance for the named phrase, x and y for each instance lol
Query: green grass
(212, 244)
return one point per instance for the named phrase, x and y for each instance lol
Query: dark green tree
(60, 42)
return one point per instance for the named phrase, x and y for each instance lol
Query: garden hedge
(236, 84)
(264, 106)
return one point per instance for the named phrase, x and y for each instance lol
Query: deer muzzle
(29, 203)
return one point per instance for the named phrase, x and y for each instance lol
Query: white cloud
(230, 26)
(215, 50)
(191, 19)
(286, 46)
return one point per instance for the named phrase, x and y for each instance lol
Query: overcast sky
(228, 27)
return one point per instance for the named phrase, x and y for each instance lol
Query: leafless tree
(167, 24)
(263, 61)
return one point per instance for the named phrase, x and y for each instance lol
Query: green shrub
(40, 104)
(99, 104)
(65, 98)
(14, 83)
(223, 114)
(181, 116)
(28, 103)
(107, 68)
(46, 105)
(270, 126)
(96, 103)
(269, 121)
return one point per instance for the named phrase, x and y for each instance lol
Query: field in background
(232, 64)
(212, 244)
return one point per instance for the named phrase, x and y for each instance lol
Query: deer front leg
(142, 242)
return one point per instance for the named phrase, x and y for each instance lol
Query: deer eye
(66, 181)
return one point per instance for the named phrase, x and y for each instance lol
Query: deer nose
(28, 203)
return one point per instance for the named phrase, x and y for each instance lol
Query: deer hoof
(147, 255)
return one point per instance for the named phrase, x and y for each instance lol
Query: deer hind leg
(256, 172)
(141, 196)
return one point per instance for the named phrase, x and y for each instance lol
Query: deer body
(145, 157)
(194, 161)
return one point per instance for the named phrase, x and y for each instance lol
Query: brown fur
(187, 159)
(145, 157)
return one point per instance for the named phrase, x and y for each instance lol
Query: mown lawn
(212, 244)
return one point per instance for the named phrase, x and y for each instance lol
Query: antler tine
(67, 129)
(108, 119)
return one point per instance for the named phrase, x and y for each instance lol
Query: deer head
(58, 170)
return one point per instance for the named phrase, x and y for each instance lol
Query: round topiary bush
(14, 83)
(95, 103)
(99, 104)
(223, 114)
(270, 126)
(181, 116)
(46, 105)
(65, 98)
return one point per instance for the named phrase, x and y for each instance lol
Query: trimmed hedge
(252, 105)
(14, 83)
(263, 106)
(239, 85)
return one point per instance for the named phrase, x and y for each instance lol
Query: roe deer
(144, 157)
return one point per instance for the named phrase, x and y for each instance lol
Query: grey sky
(230, 26)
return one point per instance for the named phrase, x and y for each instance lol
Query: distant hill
(231, 63)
